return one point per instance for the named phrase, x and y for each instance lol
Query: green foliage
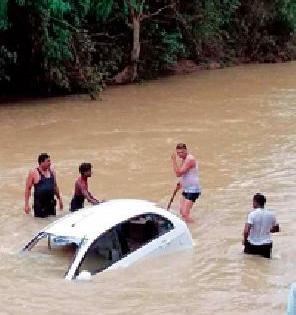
(137, 5)
(214, 16)
(103, 8)
(77, 45)
(3, 15)
(59, 20)
(162, 48)
(173, 47)
(263, 29)
(285, 10)
(7, 60)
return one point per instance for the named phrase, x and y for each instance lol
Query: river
(240, 124)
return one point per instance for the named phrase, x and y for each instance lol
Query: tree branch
(148, 16)
(75, 29)
(106, 35)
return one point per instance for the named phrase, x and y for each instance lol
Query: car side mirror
(84, 275)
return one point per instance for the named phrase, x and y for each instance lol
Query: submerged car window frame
(77, 271)
(153, 239)
(34, 241)
(81, 244)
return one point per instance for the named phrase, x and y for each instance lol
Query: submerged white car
(114, 234)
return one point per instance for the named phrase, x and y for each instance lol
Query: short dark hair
(84, 167)
(181, 146)
(42, 157)
(260, 199)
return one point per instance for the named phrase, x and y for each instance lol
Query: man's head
(259, 201)
(85, 169)
(181, 150)
(44, 161)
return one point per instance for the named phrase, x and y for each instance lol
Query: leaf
(104, 9)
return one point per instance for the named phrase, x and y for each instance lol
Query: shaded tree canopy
(71, 46)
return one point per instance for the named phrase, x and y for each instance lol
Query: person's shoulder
(52, 170)
(259, 211)
(270, 212)
(250, 216)
(78, 181)
(191, 159)
(33, 172)
(33, 176)
(252, 212)
(190, 156)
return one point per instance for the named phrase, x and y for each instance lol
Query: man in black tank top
(45, 189)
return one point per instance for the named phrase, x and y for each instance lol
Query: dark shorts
(190, 196)
(77, 203)
(44, 208)
(261, 250)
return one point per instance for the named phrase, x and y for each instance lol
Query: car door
(97, 255)
(162, 242)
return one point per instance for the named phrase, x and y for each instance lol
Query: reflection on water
(239, 122)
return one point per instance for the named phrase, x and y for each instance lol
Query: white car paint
(87, 225)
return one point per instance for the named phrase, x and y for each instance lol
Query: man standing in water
(189, 179)
(260, 223)
(81, 189)
(43, 179)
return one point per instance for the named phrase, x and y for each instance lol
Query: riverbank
(182, 67)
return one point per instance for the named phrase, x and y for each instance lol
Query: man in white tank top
(260, 223)
(189, 179)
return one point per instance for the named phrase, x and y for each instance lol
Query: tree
(3, 15)
(136, 12)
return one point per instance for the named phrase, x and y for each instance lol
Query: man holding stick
(189, 179)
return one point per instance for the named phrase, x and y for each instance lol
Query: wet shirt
(190, 180)
(261, 221)
(44, 189)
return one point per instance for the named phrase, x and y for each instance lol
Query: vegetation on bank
(69, 46)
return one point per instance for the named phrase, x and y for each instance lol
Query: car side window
(103, 252)
(122, 240)
(140, 230)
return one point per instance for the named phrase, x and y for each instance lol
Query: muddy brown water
(240, 124)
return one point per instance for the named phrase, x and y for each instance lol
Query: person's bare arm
(29, 184)
(275, 226)
(96, 200)
(57, 191)
(88, 196)
(246, 232)
(179, 171)
(275, 229)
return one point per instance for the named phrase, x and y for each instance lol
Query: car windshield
(52, 240)
(60, 250)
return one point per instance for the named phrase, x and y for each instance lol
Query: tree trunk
(79, 72)
(135, 55)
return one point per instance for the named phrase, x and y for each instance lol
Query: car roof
(91, 222)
